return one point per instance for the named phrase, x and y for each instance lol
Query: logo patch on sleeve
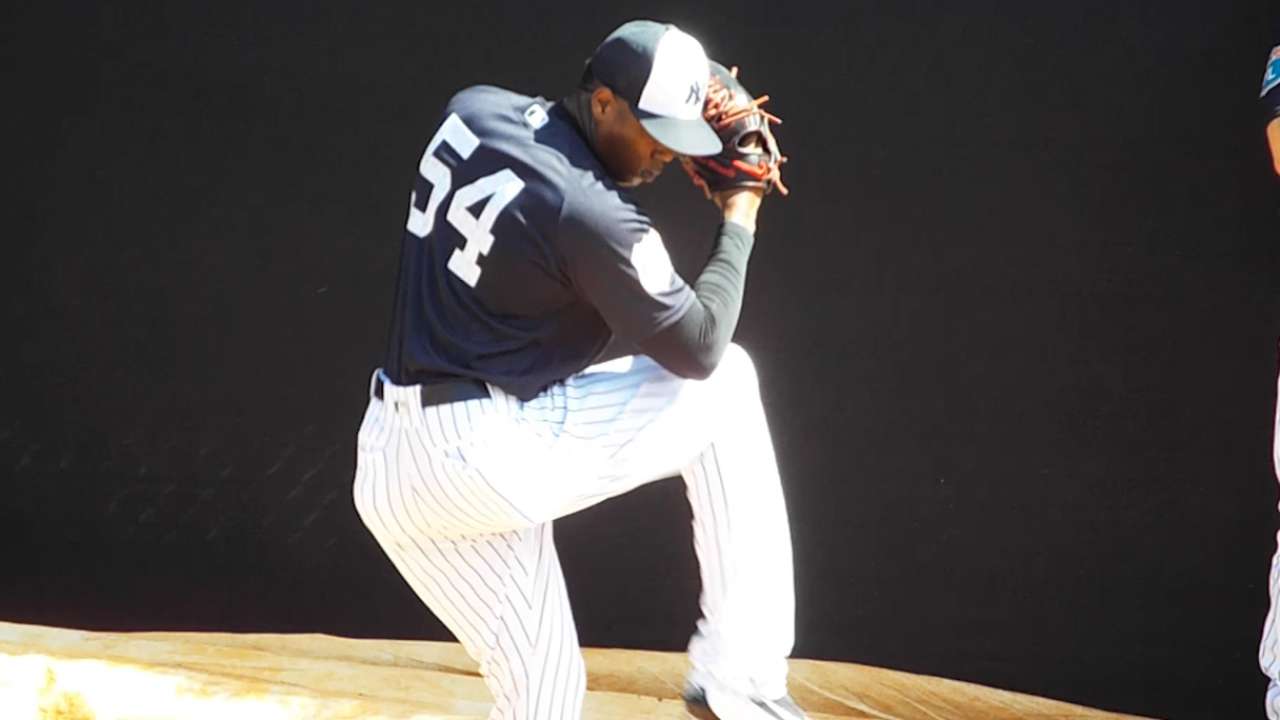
(535, 116)
(653, 265)
(1271, 78)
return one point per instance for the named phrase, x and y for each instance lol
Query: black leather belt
(445, 391)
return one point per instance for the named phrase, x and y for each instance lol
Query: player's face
(627, 150)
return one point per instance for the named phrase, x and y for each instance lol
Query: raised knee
(736, 367)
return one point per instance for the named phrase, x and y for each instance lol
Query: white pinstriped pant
(461, 497)
(1269, 650)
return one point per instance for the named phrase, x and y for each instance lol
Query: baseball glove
(750, 157)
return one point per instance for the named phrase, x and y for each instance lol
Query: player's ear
(602, 103)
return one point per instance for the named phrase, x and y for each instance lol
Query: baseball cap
(662, 72)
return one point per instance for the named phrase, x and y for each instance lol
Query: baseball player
(1271, 103)
(524, 257)
(1269, 651)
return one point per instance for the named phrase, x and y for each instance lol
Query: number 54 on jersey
(497, 189)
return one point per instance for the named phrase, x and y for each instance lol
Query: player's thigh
(642, 422)
(602, 432)
(408, 484)
(616, 400)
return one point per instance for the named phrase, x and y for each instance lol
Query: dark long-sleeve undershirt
(693, 346)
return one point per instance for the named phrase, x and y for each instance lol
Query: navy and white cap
(662, 72)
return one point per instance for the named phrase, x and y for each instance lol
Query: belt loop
(373, 382)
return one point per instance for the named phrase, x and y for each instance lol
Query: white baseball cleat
(716, 702)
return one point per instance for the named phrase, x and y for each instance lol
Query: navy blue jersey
(521, 258)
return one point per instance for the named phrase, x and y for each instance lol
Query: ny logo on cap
(695, 94)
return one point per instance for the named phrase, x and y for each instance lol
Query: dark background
(1016, 326)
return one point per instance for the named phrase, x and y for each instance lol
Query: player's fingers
(1273, 139)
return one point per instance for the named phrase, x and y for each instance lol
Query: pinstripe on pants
(462, 496)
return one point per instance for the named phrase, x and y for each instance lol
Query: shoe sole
(701, 709)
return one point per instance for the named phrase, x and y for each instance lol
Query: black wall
(1016, 326)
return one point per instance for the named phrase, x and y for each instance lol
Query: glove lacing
(721, 112)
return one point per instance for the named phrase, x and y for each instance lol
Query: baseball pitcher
(524, 256)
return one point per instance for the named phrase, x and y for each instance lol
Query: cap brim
(686, 137)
